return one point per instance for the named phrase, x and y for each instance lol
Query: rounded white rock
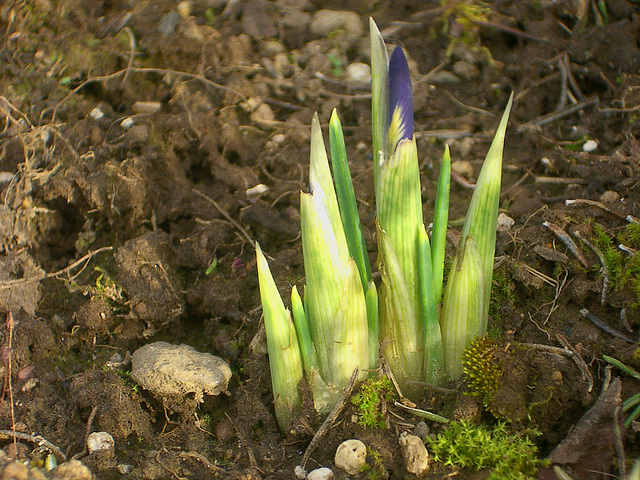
(351, 456)
(176, 370)
(96, 114)
(323, 473)
(505, 222)
(359, 73)
(100, 442)
(590, 146)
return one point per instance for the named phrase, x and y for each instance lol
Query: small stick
(551, 117)
(132, 54)
(562, 180)
(324, 428)
(549, 348)
(204, 460)
(87, 432)
(627, 250)
(568, 241)
(468, 107)
(9, 350)
(253, 464)
(582, 366)
(603, 326)
(224, 213)
(606, 278)
(460, 180)
(508, 29)
(593, 203)
(434, 417)
(20, 281)
(37, 439)
(622, 469)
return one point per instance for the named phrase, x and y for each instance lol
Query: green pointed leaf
(401, 330)
(462, 317)
(440, 220)
(308, 351)
(373, 322)
(285, 359)
(482, 217)
(347, 200)
(433, 338)
(379, 98)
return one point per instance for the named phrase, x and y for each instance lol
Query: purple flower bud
(400, 99)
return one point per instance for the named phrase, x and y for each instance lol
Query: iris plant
(343, 319)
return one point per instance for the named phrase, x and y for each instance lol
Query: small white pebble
(100, 442)
(359, 73)
(125, 468)
(351, 456)
(148, 108)
(127, 123)
(590, 145)
(546, 163)
(96, 114)
(5, 177)
(300, 472)
(278, 138)
(505, 222)
(184, 8)
(257, 191)
(323, 473)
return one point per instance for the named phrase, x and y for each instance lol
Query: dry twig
(87, 432)
(37, 439)
(582, 366)
(224, 213)
(84, 259)
(568, 241)
(326, 425)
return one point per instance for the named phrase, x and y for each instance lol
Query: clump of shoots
(422, 325)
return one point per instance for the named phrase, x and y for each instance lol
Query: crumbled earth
(146, 145)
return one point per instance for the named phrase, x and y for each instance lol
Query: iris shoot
(421, 325)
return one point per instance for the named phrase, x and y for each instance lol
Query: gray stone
(610, 197)
(466, 70)
(421, 430)
(169, 371)
(327, 21)
(443, 78)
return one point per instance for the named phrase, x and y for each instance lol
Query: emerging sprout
(343, 315)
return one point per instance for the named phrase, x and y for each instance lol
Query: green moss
(501, 294)
(509, 455)
(370, 401)
(481, 369)
(624, 270)
(374, 468)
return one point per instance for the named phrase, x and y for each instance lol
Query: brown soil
(107, 230)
